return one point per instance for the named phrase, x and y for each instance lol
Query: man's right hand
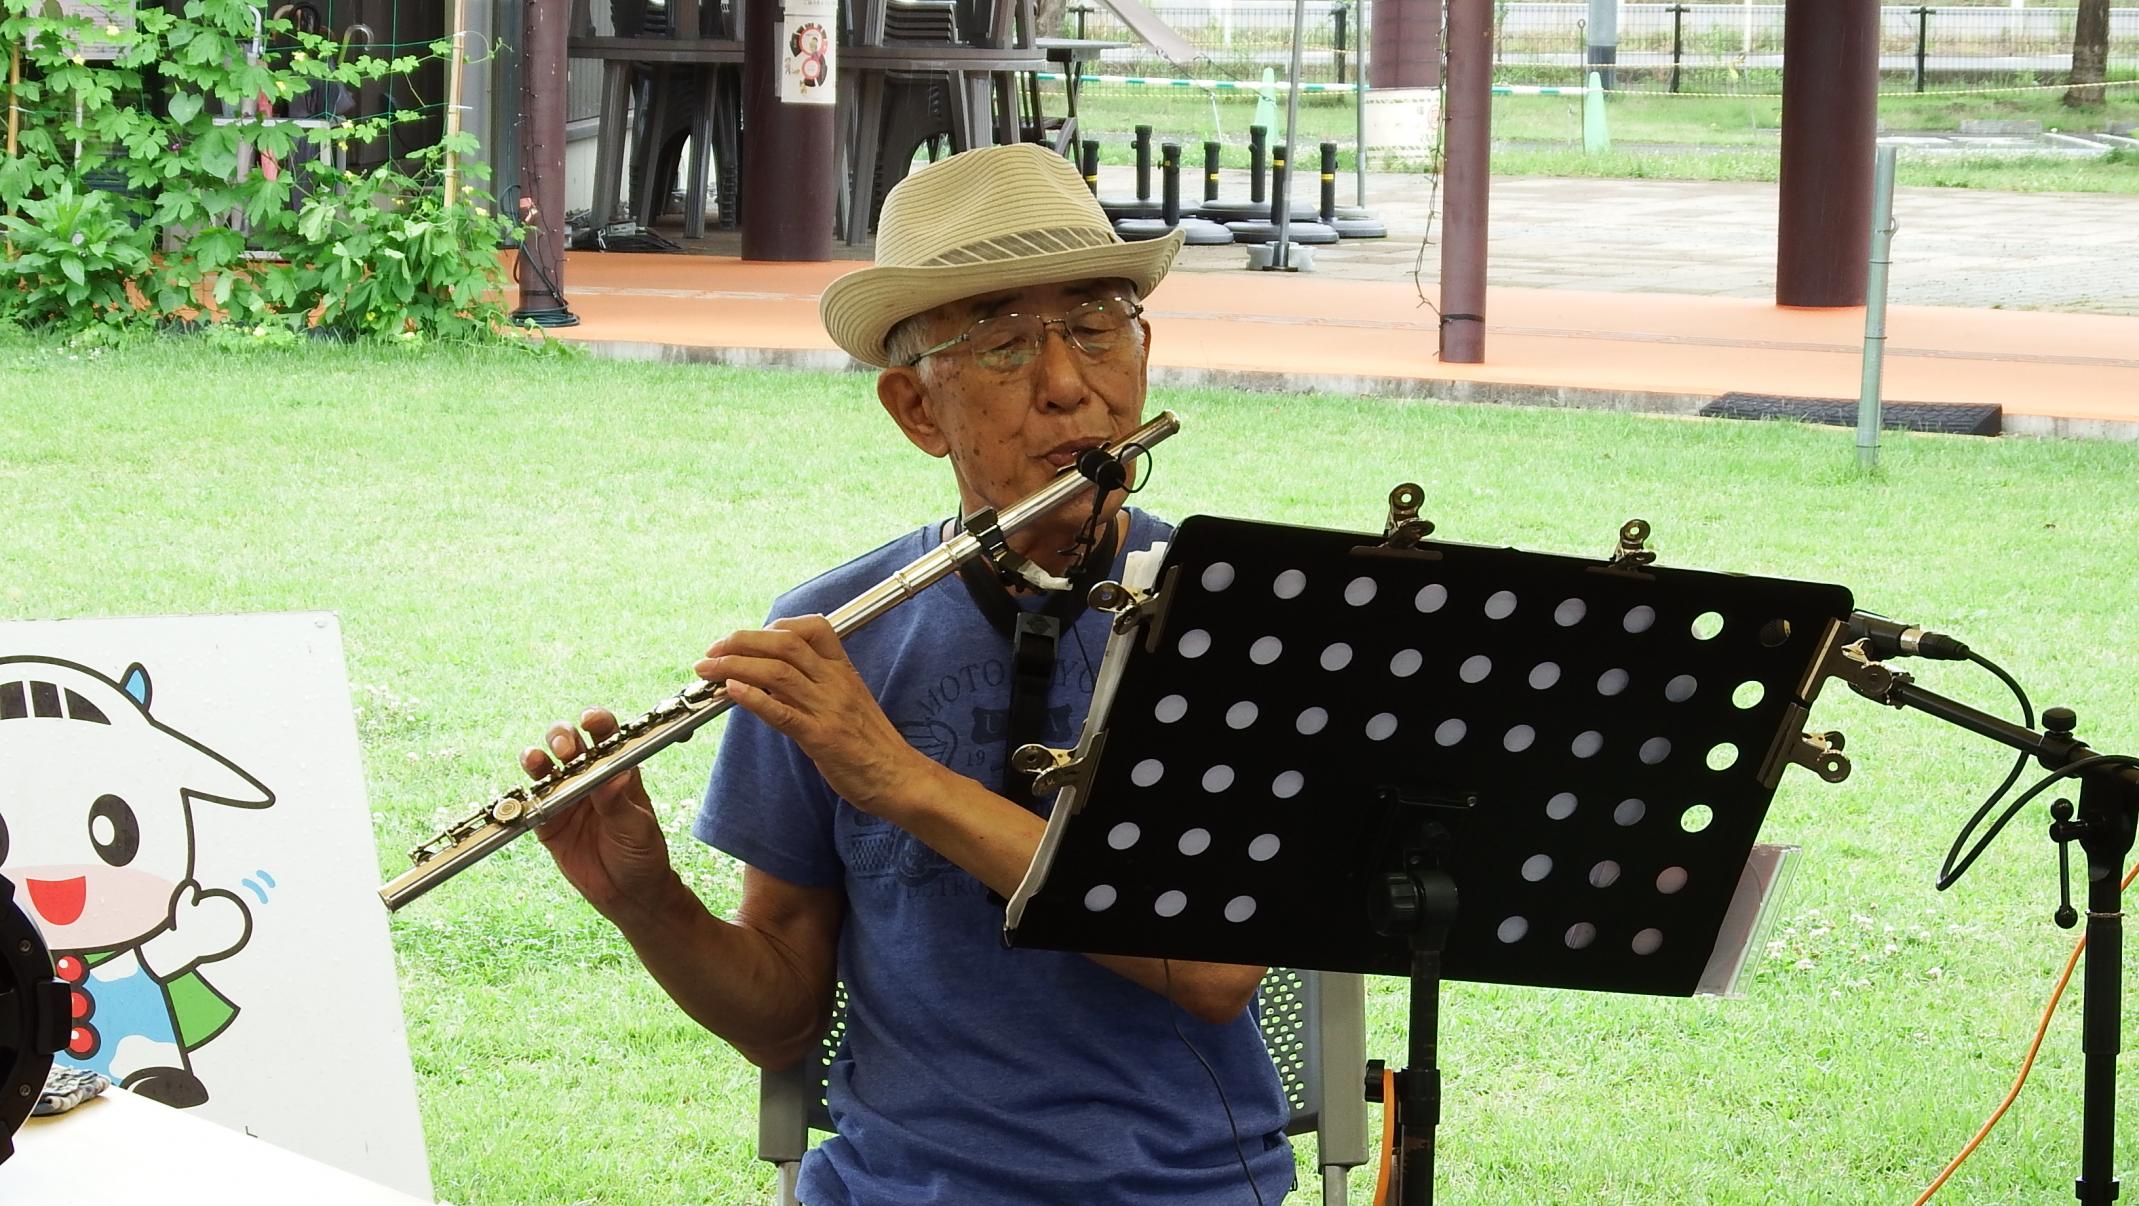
(610, 847)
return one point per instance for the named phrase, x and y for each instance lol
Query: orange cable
(2027, 1065)
(1388, 1135)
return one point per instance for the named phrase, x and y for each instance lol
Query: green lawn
(509, 538)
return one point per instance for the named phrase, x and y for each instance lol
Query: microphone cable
(1948, 872)
(1173, 1016)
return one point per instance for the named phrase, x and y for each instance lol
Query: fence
(1697, 47)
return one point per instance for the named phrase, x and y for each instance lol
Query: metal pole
(1875, 310)
(1281, 257)
(1336, 16)
(1465, 180)
(542, 138)
(1211, 153)
(789, 195)
(1830, 116)
(1359, 119)
(1603, 48)
(1923, 41)
(1678, 40)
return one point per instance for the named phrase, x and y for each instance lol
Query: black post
(1258, 148)
(1278, 204)
(1678, 40)
(1923, 41)
(1080, 10)
(1211, 151)
(1418, 903)
(1329, 183)
(1337, 14)
(1091, 165)
(1170, 183)
(1143, 163)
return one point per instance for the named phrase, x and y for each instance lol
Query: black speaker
(33, 1016)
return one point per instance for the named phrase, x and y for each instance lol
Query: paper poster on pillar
(809, 67)
(182, 811)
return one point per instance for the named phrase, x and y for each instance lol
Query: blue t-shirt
(972, 1073)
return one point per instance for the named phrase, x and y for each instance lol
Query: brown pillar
(1406, 47)
(788, 200)
(542, 99)
(1830, 125)
(1466, 180)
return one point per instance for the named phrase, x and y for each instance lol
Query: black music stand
(1321, 750)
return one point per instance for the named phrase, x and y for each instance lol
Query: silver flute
(490, 827)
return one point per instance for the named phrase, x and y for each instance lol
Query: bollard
(1277, 185)
(1170, 183)
(1211, 151)
(1143, 163)
(1329, 183)
(1258, 147)
(1091, 165)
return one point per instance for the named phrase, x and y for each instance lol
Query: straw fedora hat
(982, 221)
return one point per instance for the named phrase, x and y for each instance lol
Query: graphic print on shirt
(96, 826)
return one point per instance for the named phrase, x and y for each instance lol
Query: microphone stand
(2108, 812)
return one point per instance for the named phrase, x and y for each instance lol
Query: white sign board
(809, 66)
(185, 820)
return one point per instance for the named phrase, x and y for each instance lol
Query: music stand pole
(1419, 905)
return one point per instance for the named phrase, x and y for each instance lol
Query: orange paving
(2051, 371)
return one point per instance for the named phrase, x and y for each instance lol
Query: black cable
(1948, 873)
(2013, 809)
(1173, 1016)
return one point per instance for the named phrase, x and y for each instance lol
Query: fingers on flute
(599, 723)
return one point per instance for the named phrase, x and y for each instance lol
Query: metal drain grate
(1950, 418)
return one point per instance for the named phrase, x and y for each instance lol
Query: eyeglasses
(1008, 342)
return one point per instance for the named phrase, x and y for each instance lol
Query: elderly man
(863, 786)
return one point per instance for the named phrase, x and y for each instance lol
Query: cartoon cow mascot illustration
(96, 828)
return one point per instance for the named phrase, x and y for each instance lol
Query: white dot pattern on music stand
(1287, 784)
(1170, 903)
(1612, 681)
(1544, 676)
(1170, 709)
(1311, 721)
(1681, 688)
(1570, 612)
(1381, 726)
(1194, 643)
(1604, 874)
(1239, 909)
(1147, 772)
(1518, 739)
(1264, 847)
(1537, 867)
(1217, 576)
(1500, 605)
(1707, 626)
(1561, 806)
(1648, 942)
(1580, 935)
(1360, 591)
(1586, 743)
(1629, 812)
(1242, 714)
(1218, 778)
(1195, 841)
(1512, 929)
(1696, 818)
(1639, 619)
(1449, 731)
(1749, 693)
(1722, 757)
(1100, 898)
(1475, 668)
(1670, 880)
(1431, 598)
(1336, 656)
(1124, 835)
(1265, 650)
(1406, 663)
(1655, 750)
(1289, 584)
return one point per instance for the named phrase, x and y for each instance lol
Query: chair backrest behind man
(1313, 1022)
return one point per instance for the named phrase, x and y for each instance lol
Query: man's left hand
(795, 676)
